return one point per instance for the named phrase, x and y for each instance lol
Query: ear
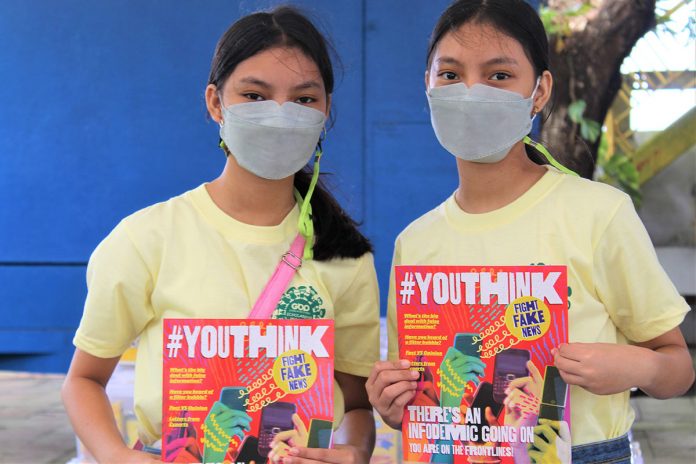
(427, 79)
(543, 93)
(213, 103)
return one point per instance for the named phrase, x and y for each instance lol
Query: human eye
(448, 75)
(253, 96)
(305, 100)
(500, 76)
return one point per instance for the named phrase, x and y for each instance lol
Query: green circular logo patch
(302, 302)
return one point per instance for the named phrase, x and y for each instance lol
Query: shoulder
(144, 231)
(424, 226)
(579, 201)
(589, 210)
(347, 270)
(347, 276)
(590, 189)
(162, 215)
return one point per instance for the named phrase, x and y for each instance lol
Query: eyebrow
(502, 60)
(261, 83)
(492, 61)
(448, 60)
(308, 85)
(255, 81)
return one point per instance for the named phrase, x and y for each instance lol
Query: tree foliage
(589, 40)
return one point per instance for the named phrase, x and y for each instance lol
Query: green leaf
(548, 18)
(575, 111)
(590, 130)
(578, 10)
(618, 171)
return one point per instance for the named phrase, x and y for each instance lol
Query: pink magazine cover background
(264, 380)
(434, 304)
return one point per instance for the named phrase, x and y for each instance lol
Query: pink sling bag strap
(279, 281)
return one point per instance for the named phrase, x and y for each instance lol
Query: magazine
(481, 339)
(231, 385)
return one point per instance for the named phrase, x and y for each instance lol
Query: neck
(251, 199)
(485, 187)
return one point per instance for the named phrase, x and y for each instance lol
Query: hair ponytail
(336, 233)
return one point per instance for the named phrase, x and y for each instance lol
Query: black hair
(337, 235)
(515, 18)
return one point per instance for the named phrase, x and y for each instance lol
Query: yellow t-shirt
(185, 258)
(617, 289)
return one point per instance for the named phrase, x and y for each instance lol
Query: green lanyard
(305, 223)
(552, 161)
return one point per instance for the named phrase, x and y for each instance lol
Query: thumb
(564, 432)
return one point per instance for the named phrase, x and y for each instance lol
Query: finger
(469, 363)
(223, 412)
(400, 402)
(301, 429)
(535, 456)
(382, 366)
(468, 397)
(572, 379)
(515, 401)
(219, 408)
(235, 422)
(519, 383)
(390, 384)
(539, 443)
(564, 432)
(394, 394)
(555, 425)
(569, 365)
(284, 436)
(471, 377)
(278, 451)
(534, 373)
(316, 455)
(572, 351)
(546, 432)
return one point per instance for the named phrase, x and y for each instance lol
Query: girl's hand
(522, 398)
(282, 441)
(390, 387)
(340, 454)
(456, 370)
(130, 456)
(600, 368)
(220, 426)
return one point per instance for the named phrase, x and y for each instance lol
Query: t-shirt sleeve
(356, 314)
(118, 305)
(636, 291)
(392, 330)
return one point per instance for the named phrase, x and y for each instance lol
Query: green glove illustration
(219, 427)
(455, 371)
(551, 443)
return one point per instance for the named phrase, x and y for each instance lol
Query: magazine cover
(481, 339)
(230, 386)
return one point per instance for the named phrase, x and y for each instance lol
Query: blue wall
(102, 113)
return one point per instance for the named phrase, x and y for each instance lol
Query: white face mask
(270, 140)
(480, 123)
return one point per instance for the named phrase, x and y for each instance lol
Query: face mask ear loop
(541, 149)
(305, 223)
(221, 144)
(536, 87)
